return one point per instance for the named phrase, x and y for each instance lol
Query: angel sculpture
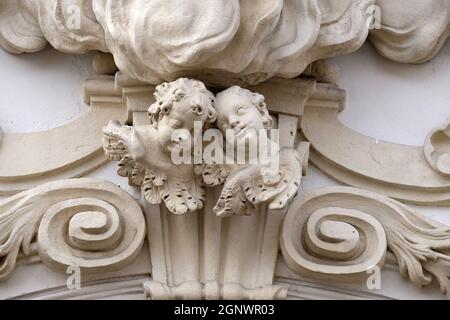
(241, 115)
(144, 151)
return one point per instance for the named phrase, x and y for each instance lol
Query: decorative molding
(128, 287)
(84, 223)
(342, 233)
(437, 149)
(201, 255)
(396, 170)
(310, 290)
(54, 156)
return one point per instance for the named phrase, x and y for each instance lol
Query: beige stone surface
(437, 149)
(83, 223)
(225, 42)
(215, 231)
(68, 151)
(345, 233)
(399, 171)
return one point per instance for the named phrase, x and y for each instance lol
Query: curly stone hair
(256, 99)
(201, 99)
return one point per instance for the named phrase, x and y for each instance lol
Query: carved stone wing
(115, 141)
(116, 144)
(213, 174)
(277, 187)
(178, 186)
(257, 184)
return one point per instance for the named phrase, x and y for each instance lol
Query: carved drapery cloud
(412, 31)
(225, 41)
(228, 38)
(68, 25)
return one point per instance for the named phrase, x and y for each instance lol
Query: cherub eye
(165, 109)
(240, 110)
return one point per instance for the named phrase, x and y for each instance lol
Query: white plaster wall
(41, 90)
(388, 101)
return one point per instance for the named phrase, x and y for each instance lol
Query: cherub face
(237, 113)
(178, 123)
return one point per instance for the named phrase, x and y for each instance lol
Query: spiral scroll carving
(335, 241)
(437, 149)
(341, 233)
(78, 222)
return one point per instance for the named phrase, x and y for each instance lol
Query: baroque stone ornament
(437, 149)
(217, 256)
(203, 256)
(54, 156)
(214, 229)
(83, 223)
(68, 25)
(145, 153)
(244, 113)
(205, 260)
(342, 233)
(411, 31)
(399, 171)
(224, 42)
(233, 255)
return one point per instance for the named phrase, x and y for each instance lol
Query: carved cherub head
(178, 105)
(241, 110)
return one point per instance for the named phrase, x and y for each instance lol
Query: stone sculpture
(214, 224)
(146, 152)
